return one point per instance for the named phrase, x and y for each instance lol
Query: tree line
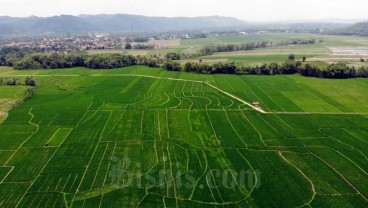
(29, 81)
(23, 60)
(297, 42)
(78, 59)
(210, 49)
(334, 71)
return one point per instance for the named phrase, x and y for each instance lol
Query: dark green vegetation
(211, 49)
(62, 147)
(22, 59)
(333, 71)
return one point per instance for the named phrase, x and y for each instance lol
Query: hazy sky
(249, 10)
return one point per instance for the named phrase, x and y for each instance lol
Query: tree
(339, 70)
(128, 46)
(172, 66)
(27, 63)
(290, 67)
(304, 58)
(12, 82)
(152, 62)
(173, 56)
(362, 59)
(30, 81)
(291, 57)
(274, 68)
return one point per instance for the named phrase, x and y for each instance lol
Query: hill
(110, 23)
(360, 29)
(64, 23)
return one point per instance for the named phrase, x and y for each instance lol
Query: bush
(172, 66)
(27, 63)
(30, 81)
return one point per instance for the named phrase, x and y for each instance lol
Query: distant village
(102, 41)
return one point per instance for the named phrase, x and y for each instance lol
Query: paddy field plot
(141, 137)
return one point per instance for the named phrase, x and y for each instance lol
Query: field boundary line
(254, 173)
(53, 154)
(26, 140)
(232, 126)
(254, 127)
(202, 175)
(11, 170)
(89, 163)
(340, 174)
(99, 166)
(172, 175)
(305, 176)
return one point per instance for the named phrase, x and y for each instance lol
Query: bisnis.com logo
(123, 173)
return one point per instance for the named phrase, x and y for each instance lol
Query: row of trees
(217, 68)
(29, 81)
(50, 61)
(81, 59)
(210, 49)
(335, 71)
(288, 67)
(8, 55)
(296, 42)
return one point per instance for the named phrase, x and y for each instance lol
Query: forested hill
(360, 29)
(109, 23)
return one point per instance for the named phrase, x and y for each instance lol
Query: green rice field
(145, 137)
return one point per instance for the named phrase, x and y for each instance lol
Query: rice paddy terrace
(141, 137)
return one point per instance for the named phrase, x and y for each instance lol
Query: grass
(169, 134)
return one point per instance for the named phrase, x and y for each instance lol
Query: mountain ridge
(360, 29)
(110, 23)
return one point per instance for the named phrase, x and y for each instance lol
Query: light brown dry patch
(5, 106)
(336, 58)
(3, 116)
(349, 50)
(170, 43)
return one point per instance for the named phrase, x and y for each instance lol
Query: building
(256, 104)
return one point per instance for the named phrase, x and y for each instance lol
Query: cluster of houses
(65, 44)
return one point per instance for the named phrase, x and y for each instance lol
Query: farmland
(146, 137)
(327, 49)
